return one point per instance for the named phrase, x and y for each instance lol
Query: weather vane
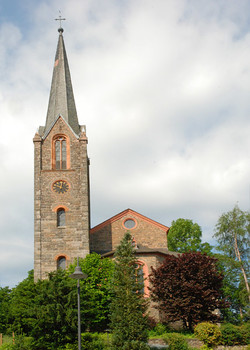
(60, 19)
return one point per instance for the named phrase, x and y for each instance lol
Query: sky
(163, 87)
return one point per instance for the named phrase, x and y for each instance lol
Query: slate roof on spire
(61, 100)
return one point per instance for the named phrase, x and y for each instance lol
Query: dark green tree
(21, 311)
(128, 307)
(185, 236)
(47, 309)
(55, 312)
(232, 232)
(4, 308)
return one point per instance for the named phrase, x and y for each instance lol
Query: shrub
(175, 341)
(92, 341)
(68, 346)
(208, 332)
(159, 329)
(231, 335)
(245, 330)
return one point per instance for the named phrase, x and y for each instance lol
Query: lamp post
(77, 275)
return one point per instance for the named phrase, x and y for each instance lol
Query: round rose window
(129, 223)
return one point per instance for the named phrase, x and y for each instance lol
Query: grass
(7, 339)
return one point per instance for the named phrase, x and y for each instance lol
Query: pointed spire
(61, 101)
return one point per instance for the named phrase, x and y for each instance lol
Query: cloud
(163, 88)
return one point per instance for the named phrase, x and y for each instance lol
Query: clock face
(60, 186)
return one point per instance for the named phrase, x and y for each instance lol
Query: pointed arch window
(61, 217)
(61, 263)
(60, 153)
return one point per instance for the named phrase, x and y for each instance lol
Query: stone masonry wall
(73, 239)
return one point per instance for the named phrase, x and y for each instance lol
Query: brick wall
(148, 233)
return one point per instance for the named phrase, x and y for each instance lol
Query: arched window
(60, 153)
(61, 217)
(140, 277)
(61, 263)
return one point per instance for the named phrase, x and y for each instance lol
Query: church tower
(61, 178)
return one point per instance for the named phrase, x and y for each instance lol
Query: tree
(128, 307)
(22, 306)
(184, 236)
(187, 287)
(4, 308)
(96, 291)
(232, 232)
(233, 289)
(47, 309)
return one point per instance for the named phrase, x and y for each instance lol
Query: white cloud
(163, 88)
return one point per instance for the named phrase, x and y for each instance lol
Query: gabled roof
(128, 212)
(46, 133)
(61, 100)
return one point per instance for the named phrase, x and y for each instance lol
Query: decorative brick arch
(58, 256)
(61, 255)
(55, 209)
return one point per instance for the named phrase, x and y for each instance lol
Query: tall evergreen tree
(128, 308)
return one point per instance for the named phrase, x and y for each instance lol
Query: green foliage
(4, 308)
(231, 227)
(128, 319)
(187, 287)
(231, 288)
(160, 329)
(185, 236)
(47, 310)
(92, 341)
(231, 335)
(233, 236)
(55, 311)
(7, 347)
(208, 332)
(69, 346)
(21, 343)
(176, 341)
(21, 313)
(245, 330)
(96, 291)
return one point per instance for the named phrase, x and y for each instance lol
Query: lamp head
(78, 274)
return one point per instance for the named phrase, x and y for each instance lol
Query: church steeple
(61, 100)
(61, 178)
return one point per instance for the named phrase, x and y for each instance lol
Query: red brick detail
(129, 219)
(55, 209)
(61, 256)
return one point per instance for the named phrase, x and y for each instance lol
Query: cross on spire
(60, 19)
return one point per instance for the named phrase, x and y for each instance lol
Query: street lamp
(77, 275)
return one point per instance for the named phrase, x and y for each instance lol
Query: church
(62, 229)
